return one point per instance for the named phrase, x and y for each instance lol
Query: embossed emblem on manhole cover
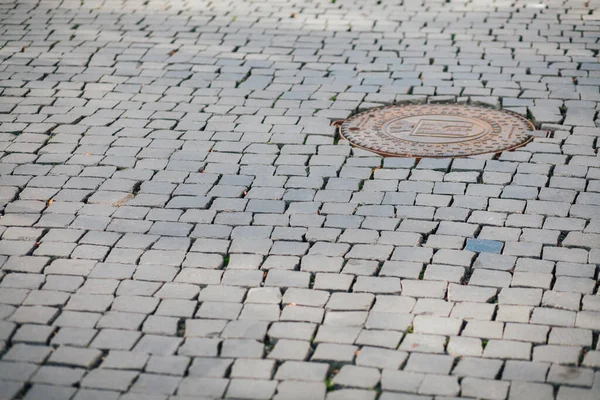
(436, 130)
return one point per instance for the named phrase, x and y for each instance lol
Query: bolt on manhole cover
(435, 130)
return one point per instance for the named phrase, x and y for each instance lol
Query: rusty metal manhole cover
(436, 130)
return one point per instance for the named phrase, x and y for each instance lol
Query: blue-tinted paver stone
(484, 246)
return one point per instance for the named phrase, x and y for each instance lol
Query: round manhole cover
(436, 130)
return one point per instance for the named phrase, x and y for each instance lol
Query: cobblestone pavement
(181, 222)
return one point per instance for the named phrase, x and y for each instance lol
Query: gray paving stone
(526, 390)
(49, 392)
(484, 388)
(567, 392)
(76, 357)
(383, 358)
(477, 367)
(12, 389)
(302, 371)
(210, 386)
(354, 394)
(439, 385)
(437, 325)
(300, 390)
(169, 365)
(429, 363)
(430, 289)
(570, 375)
(506, 349)
(359, 377)
(56, 375)
(107, 379)
(401, 381)
(557, 354)
(334, 352)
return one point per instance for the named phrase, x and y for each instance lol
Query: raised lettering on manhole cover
(436, 130)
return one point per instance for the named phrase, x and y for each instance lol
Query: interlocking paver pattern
(180, 219)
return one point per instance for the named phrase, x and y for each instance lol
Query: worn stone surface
(180, 219)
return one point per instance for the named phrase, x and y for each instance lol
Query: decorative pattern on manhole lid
(436, 130)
